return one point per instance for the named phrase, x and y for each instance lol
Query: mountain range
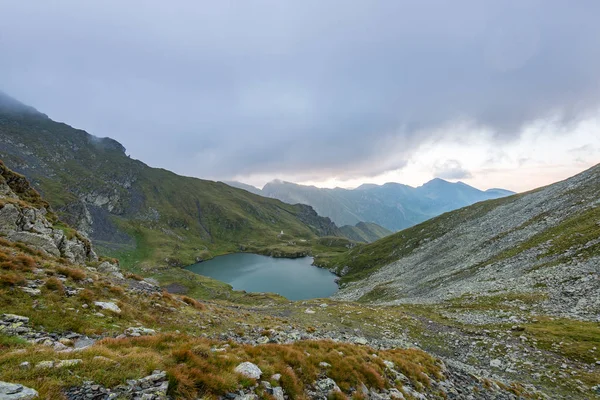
(393, 205)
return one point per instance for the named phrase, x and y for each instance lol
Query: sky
(331, 93)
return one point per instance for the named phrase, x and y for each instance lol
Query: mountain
(151, 214)
(244, 186)
(360, 231)
(366, 232)
(76, 326)
(544, 244)
(393, 205)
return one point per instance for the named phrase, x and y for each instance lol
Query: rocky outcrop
(25, 218)
(14, 391)
(151, 387)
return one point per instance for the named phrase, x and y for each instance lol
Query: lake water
(295, 279)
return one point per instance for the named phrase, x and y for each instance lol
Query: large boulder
(14, 391)
(249, 370)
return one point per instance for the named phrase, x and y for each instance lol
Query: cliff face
(26, 218)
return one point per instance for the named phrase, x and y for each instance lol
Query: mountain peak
(11, 105)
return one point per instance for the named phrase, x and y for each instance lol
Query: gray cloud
(451, 169)
(312, 88)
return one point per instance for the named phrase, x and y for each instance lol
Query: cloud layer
(311, 89)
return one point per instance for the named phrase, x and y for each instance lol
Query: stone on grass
(68, 363)
(14, 391)
(139, 331)
(327, 386)
(45, 364)
(249, 370)
(106, 305)
(278, 393)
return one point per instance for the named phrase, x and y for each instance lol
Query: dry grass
(55, 285)
(8, 279)
(134, 276)
(76, 274)
(193, 302)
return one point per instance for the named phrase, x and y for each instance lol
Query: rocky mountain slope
(126, 207)
(393, 205)
(544, 244)
(84, 329)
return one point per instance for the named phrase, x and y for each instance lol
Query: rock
(278, 393)
(389, 364)
(15, 318)
(326, 386)
(248, 370)
(83, 343)
(68, 363)
(31, 291)
(276, 377)
(263, 340)
(45, 364)
(249, 396)
(323, 364)
(495, 363)
(139, 331)
(108, 306)
(14, 391)
(361, 341)
(110, 269)
(25, 365)
(323, 305)
(309, 311)
(396, 394)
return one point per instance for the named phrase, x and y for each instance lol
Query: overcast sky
(494, 93)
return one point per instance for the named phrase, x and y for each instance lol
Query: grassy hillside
(366, 232)
(128, 208)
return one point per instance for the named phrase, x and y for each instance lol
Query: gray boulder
(14, 391)
(249, 370)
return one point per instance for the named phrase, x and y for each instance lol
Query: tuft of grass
(193, 302)
(76, 274)
(11, 279)
(55, 285)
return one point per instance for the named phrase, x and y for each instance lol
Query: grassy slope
(174, 218)
(366, 232)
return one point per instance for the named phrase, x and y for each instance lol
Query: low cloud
(309, 89)
(452, 170)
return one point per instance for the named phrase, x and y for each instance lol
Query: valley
(499, 298)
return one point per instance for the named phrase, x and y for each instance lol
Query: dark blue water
(295, 279)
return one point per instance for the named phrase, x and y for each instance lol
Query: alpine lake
(294, 279)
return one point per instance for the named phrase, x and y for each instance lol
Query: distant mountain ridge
(394, 206)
